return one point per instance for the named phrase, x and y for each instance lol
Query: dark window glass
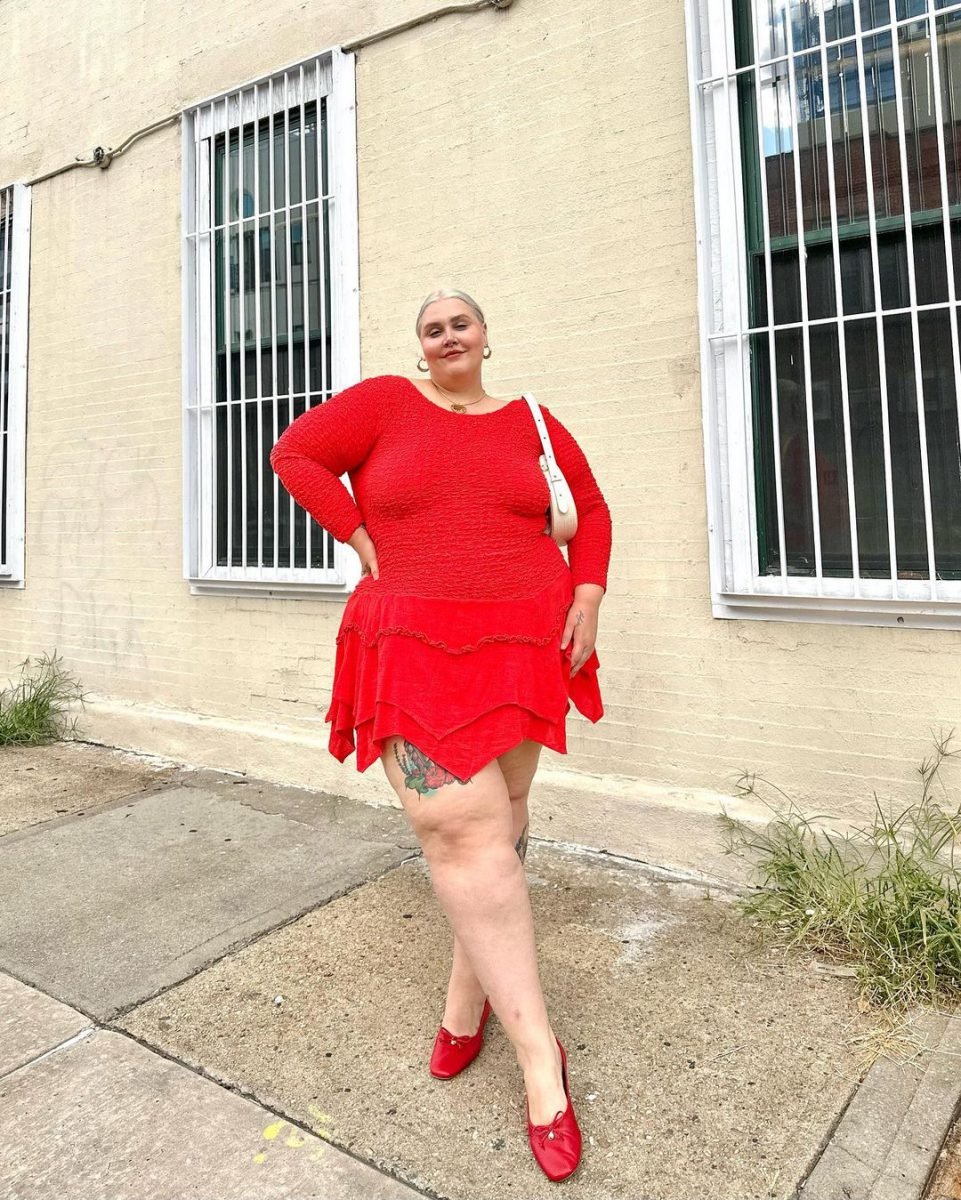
(288, 269)
(857, 105)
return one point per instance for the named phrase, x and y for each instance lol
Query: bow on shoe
(551, 1131)
(449, 1039)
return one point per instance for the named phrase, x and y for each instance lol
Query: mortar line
(658, 873)
(818, 1154)
(80, 1036)
(44, 991)
(955, 1117)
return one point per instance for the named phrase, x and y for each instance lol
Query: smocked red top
(456, 647)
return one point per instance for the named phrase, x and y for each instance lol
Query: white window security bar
(14, 297)
(827, 158)
(271, 321)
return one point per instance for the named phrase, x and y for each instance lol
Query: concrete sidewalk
(221, 988)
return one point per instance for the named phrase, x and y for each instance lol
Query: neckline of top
(450, 412)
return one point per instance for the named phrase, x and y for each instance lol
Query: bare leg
(465, 996)
(466, 832)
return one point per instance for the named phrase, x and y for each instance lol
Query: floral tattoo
(421, 774)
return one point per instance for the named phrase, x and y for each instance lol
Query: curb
(887, 1143)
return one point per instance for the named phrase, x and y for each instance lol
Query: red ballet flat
(452, 1054)
(557, 1145)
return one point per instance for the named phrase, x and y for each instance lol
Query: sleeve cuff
(601, 582)
(347, 530)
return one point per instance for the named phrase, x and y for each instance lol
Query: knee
(491, 868)
(451, 839)
(466, 839)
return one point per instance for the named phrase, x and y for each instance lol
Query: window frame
(229, 110)
(738, 589)
(13, 349)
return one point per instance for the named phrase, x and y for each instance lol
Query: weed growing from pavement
(884, 901)
(33, 710)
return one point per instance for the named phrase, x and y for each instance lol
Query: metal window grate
(270, 328)
(828, 165)
(14, 280)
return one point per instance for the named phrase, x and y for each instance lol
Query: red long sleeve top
(455, 503)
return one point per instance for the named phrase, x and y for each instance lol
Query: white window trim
(204, 576)
(18, 235)
(738, 589)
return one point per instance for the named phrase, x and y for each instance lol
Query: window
(270, 317)
(828, 156)
(14, 285)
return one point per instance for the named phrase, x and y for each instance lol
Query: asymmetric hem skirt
(463, 680)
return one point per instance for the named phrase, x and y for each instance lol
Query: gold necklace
(459, 405)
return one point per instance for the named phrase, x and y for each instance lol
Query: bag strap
(555, 476)
(542, 430)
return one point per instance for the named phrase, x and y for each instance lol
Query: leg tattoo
(421, 774)
(521, 844)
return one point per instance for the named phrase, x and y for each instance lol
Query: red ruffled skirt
(463, 680)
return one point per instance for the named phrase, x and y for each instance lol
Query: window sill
(271, 589)
(908, 614)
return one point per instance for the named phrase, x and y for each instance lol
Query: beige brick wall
(541, 158)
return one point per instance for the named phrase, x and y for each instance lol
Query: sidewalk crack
(81, 1036)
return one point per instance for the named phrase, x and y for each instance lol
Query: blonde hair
(448, 294)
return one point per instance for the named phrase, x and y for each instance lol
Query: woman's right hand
(360, 540)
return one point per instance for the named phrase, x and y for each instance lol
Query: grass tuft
(33, 710)
(884, 900)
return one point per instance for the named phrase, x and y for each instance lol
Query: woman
(458, 655)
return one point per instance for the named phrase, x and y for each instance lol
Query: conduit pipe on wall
(102, 158)
(415, 21)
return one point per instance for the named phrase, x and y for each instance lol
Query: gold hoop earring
(423, 360)
(488, 352)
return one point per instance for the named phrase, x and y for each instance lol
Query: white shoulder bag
(562, 521)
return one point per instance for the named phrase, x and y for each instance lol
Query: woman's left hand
(581, 629)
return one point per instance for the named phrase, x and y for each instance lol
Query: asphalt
(215, 987)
